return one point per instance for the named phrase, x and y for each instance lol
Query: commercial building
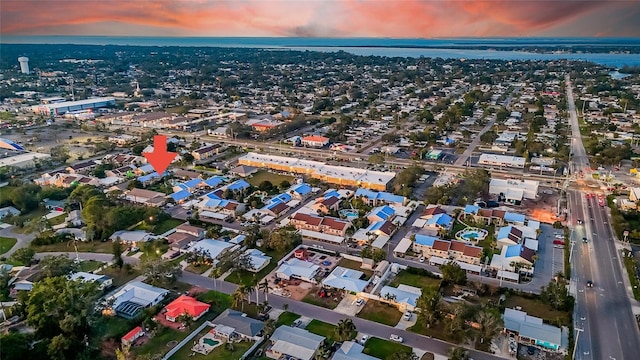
(315, 141)
(502, 161)
(341, 175)
(24, 160)
(531, 330)
(61, 108)
(514, 191)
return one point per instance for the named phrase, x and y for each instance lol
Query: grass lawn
(287, 318)
(166, 225)
(197, 269)
(419, 281)
(380, 313)
(219, 301)
(264, 175)
(6, 244)
(158, 344)
(219, 353)
(251, 309)
(4, 194)
(111, 326)
(322, 328)
(630, 265)
(120, 277)
(26, 217)
(355, 265)
(57, 220)
(90, 246)
(90, 265)
(536, 308)
(436, 331)
(327, 302)
(383, 349)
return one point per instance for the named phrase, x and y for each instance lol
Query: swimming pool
(350, 214)
(472, 234)
(210, 342)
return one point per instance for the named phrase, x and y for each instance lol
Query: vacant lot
(6, 244)
(419, 281)
(322, 328)
(120, 276)
(535, 307)
(90, 265)
(264, 175)
(384, 349)
(327, 302)
(380, 313)
(90, 246)
(287, 318)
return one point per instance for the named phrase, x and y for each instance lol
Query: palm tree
(490, 325)
(269, 327)
(264, 286)
(345, 329)
(457, 353)
(246, 291)
(285, 307)
(238, 299)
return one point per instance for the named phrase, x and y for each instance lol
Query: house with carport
(293, 343)
(298, 269)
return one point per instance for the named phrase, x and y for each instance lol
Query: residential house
(346, 279)
(185, 305)
(9, 211)
(298, 269)
(135, 296)
(103, 281)
(508, 235)
(381, 213)
(327, 224)
(226, 208)
(293, 343)
(423, 244)
(300, 191)
(132, 238)
(466, 253)
(440, 222)
(206, 152)
(258, 260)
(145, 197)
(323, 205)
(82, 167)
(243, 170)
(185, 174)
(214, 181)
(194, 231)
(214, 248)
(382, 228)
(432, 211)
(243, 326)
(532, 330)
(405, 297)
(179, 197)
(512, 257)
(238, 185)
(133, 335)
(378, 198)
(351, 350)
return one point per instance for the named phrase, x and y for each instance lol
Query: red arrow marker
(160, 158)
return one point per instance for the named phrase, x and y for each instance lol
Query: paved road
(609, 329)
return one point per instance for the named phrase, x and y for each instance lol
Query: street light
(575, 345)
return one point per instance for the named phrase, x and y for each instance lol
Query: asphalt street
(603, 315)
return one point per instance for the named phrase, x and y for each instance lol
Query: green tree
(159, 272)
(345, 330)
(453, 273)
(556, 295)
(430, 305)
(403, 355)
(53, 266)
(284, 238)
(457, 353)
(24, 255)
(59, 311)
(376, 254)
(490, 325)
(118, 249)
(14, 345)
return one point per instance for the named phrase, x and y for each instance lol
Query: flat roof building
(502, 160)
(61, 108)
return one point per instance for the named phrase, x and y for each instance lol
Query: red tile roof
(186, 305)
(457, 246)
(441, 245)
(433, 211)
(472, 251)
(133, 334)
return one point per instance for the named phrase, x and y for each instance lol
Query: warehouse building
(61, 108)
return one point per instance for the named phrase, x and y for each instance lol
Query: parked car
(407, 316)
(421, 259)
(396, 338)
(297, 323)
(360, 302)
(364, 339)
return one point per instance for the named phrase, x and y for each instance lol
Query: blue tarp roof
(281, 198)
(211, 195)
(151, 176)
(180, 195)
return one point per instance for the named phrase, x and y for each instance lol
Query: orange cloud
(326, 18)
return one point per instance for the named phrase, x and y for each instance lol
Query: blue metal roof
(383, 212)
(513, 217)
(284, 198)
(8, 144)
(214, 181)
(332, 193)
(440, 219)
(513, 250)
(302, 189)
(211, 195)
(375, 195)
(180, 195)
(238, 185)
(471, 209)
(425, 240)
(504, 232)
(193, 183)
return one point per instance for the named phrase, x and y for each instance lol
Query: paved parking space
(404, 324)
(348, 306)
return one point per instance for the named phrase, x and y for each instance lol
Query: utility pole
(575, 344)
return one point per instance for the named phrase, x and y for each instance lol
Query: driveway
(348, 306)
(23, 239)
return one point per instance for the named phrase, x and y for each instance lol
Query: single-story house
(351, 350)
(103, 281)
(132, 335)
(129, 301)
(404, 296)
(132, 238)
(298, 269)
(258, 260)
(293, 342)
(241, 324)
(214, 248)
(531, 330)
(185, 305)
(346, 279)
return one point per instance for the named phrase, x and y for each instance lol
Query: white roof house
(351, 350)
(103, 281)
(298, 269)
(404, 295)
(294, 342)
(214, 247)
(258, 259)
(132, 236)
(346, 279)
(138, 293)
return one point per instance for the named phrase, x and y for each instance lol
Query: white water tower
(24, 64)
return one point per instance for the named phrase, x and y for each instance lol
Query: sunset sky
(322, 18)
